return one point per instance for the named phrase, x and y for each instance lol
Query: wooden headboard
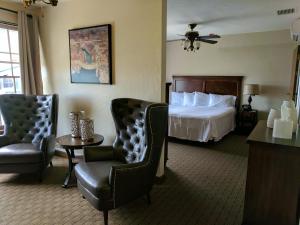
(222, 85)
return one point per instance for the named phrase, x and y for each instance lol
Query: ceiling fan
(192, 39)
(28, 3)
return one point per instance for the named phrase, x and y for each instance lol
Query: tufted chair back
(132, 123)
(129, 117)
(140, 128)
(28, 119)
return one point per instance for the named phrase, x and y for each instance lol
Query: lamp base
(247, 107)
(250, 100)
(249, 103)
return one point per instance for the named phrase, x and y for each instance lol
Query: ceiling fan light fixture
(192, 40)
(185, 43)
(28, 3)
(197, 44)
(191, 46)
(51, 2)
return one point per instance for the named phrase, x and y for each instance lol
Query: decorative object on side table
(251, 90)
(87, 129)
(75, 118)
(288, 123)
(70, 144)
(247, 121)
(90, 55)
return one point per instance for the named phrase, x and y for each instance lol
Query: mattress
(202, 123)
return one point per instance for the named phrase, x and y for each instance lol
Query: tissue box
(283, 129)
(274, 114)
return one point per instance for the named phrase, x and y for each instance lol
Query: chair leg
(149, 198)
(105, 214)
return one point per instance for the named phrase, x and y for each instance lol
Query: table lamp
(251, 90)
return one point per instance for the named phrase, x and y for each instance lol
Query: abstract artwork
(90, 55)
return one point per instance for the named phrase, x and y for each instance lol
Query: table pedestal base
(71, 156)
(70, 144)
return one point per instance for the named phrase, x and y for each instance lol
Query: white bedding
(201, 123)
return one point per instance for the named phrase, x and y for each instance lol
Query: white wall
(138, 49)
(263, 58)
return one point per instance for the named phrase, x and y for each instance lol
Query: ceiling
(229, 16)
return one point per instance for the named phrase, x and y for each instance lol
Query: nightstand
(247, 121)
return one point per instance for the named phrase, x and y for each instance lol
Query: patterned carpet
(204, 186)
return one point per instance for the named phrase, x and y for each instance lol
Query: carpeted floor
(204, 186)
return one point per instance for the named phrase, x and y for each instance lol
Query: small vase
(87, 129)
(75, 123)
(75, 129)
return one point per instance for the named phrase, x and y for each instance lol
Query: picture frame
(91, 55)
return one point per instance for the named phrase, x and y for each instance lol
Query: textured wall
(138, 50)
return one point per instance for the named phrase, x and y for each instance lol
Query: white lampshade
(251, 89)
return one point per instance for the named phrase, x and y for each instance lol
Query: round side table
(70, 144)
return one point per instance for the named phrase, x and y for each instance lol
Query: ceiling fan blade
(180, 35)
(207, 41)
(211, 36)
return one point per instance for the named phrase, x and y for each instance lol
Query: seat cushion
(20, 153)
(94, 176)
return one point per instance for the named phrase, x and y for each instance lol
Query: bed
(204, 123)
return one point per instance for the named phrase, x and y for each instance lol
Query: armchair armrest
(127, 172)
(4, 140)
(47, 146)
(130, 181)
(98, 153)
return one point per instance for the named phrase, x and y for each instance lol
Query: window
(10, 75)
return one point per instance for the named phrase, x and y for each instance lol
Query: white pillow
(188, 99)
(223, 104)
(176, 98)
(222, 100)
(201, 99)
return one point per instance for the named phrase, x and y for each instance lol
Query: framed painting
(90, 55)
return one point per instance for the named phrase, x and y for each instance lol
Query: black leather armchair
(111, 176)
(28, 143)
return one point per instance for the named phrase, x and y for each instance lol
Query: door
(295, 81)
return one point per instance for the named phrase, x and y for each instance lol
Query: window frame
(8, 27)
